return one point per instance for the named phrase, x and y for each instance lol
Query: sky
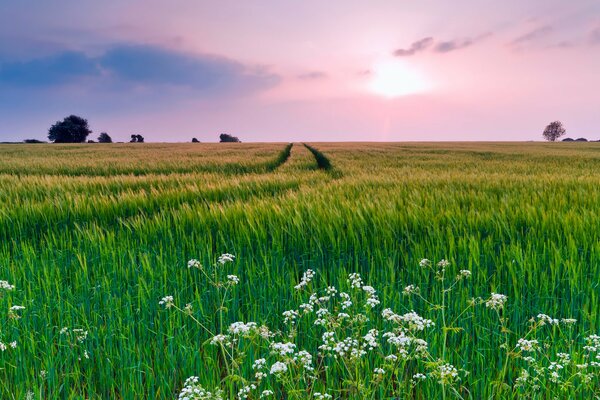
(288, 70)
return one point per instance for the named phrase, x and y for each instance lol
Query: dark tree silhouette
(133, 139)
(136, 139)
(194, 140)
(553, 131)
(140, 139)
(225, 138)
(104, 138)
(31, 141)
(72, 129)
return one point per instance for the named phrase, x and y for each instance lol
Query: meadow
(94, 237)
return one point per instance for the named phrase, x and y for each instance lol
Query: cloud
(313, 75)
(123, 66)
(416, 47)
(52, 70)
(151, 65)
(439, 46)
(531, 36)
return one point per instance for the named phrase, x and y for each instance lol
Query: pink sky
(276, 70)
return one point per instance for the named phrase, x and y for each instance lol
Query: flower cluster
(341, 332)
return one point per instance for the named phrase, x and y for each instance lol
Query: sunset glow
(301, 71)
(396, 79)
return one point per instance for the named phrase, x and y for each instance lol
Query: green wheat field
(94, 237)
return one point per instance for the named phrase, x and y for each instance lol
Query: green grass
(93, 236)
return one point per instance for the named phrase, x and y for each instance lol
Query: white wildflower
(220, 339)
(545, 319)
(306, 279)
(410, 289)
(496, 301)
(463, 273)
(167, 301)
(225, 258)
(283, 349)
(355, 280)
(241, 328)
(290, 316)
(424, 263)
(278, 368)
(527, 345)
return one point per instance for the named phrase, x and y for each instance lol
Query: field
(94, 236)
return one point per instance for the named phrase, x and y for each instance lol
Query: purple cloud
(531, 36)
(416, 47)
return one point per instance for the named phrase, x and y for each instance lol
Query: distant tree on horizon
(136, 139)
(72, 129)
(104, 138)
(225, 138)
(32, 141)
(194, 140)
(553, 131)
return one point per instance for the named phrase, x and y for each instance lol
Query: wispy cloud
(416, 47)
(313, 76)
(531, 36)
(457, 44)
(444, 46)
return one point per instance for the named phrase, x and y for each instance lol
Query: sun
(395, 79)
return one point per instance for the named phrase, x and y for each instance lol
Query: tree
(136, 139)
(553, 131)
(133, 139)
(194, 140)
(72, 129)
(104, 138)
(140, 139)
(225, 138)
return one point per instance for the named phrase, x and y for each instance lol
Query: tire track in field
(323, 162)
(282, 157)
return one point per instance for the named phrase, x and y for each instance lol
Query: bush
(104, 138)
(225, 138)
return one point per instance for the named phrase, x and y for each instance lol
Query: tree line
(75, 129)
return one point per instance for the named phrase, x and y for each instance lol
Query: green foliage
(94, 236)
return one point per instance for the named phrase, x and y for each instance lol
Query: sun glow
(394, 79)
